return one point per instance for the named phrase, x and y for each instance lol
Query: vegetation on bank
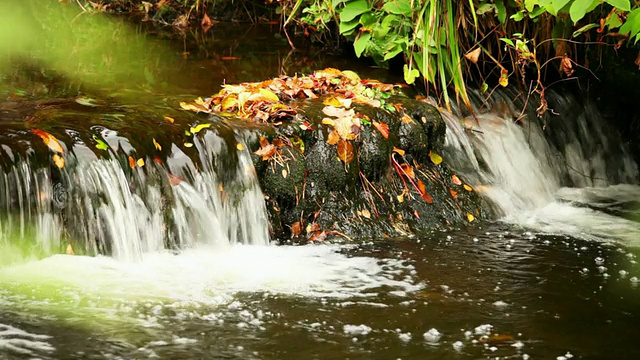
(443, 43)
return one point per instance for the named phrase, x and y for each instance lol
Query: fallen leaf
(58, 160)
(332, 101)
(157, 145)
(456, 180)
(239, 146)
(400, 197)
(333, 137)
(383, 128)
(169, 119)
(132, 162)
(285, 173)
(188, 144)
(416, 214)
(49, 140)
(193, 107)
(504, 77)
(423, 193)
(473, 55)
(196, 129)
(229, 58)
(435, 158)
(467, 187)
(140, 162)
(399, 151)
(206, 22)
(296, 229)
(408, 170)
(69, 250)
(269, 95)
(454, 194)
(366, 213)
(470, 217)
(266, 152)
(345, 151)
(100, 144)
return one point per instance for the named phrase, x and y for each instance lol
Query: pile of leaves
(272, 101)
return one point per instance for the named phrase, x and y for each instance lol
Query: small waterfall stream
(537, 172)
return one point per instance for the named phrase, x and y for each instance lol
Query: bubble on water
(584, 271)
(356, 329)
(568, 355)
(634, 281)
(599, 261)
(458, 345)
(500, 304)
(493, 349)
(484, 329)
(601, 269)
(525, 357)
(404, 337)
(623, 274)
(518, 345)
(468, 334)
(183, 340)
(432, 336)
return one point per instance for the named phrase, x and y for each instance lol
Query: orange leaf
(296, 229)
(399, 151)
(454, 194)
(49, 140)
(345, 151)
(58, 160)
(132, 162)
(473, 55)
(456, 180)
(408, 169)
(383, 128)
(333, 138)
(423, 193)
(266, 151)
(229, 58)
(470, 217)
(169, 119)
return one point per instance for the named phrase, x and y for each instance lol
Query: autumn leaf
(132, 162)
(296, 229)
(470, 217)
(408, 170)
(566, 65)
(467, 187)
(454, 194)
(69, 250)
(196, 129)
(473, 55)
(49, 140)
(333, 137)
(58, 160)
(157, 145)
(366, 213)
(140, 162)
(174, 179)
(398, 151)
(169, 119)
(206, 23)
(383, 128)
(456, 180)
(435, 158)
(193, 107)
(423, 193)
(345, 151)
(269, 95)
(504, 77)
(332, 101)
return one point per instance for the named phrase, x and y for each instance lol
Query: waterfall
(539, 172)
(103, 205)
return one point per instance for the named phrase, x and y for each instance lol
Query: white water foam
(521, 174)
(212, 276)
(19, 342)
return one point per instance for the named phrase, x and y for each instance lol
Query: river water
(555, 276)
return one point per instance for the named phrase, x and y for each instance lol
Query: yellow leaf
(158, 146)
(268, 94)
(193, 107)
(239, 146)
(504, 78)
(399, 151)
(58, 160)
(332, 101)
(467, 187)
(435, 158)
(366, 213)
(470, 217)
(285, 173)
(345, 151)
(350, 75)
(70, 250)
(140, 162)
(196, 129)
(169, 119)
(188, 144)
(327, 121)
(333, 137)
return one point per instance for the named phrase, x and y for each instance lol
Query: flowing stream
(555, 276)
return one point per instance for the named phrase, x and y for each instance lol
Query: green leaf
(507, 41)
(518, 16)
(399, 7)
(368, 19)
(353, 9)
(529, 4)
(559, 4)
(578, 9)
(395, 50)
(623, 5)
(632, 23)
(410, 75)
(346, 28)
(584, 29)
(485, 8)
(501, 11)
(361, 43)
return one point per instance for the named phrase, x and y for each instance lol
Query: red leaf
(345, 151)
(383, 128)
(423, 193)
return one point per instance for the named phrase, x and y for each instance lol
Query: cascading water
(539, 176)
